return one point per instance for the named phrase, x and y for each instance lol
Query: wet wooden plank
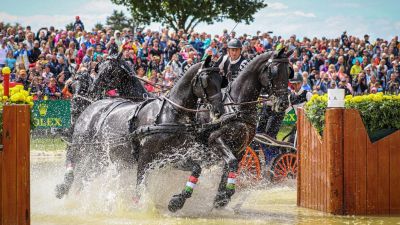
(349, 163)
(315, 170)
(383, 148)
(372, 178)
(306, 163)
(300, 113)
(324, 173)
(395, 174)
(320, 171)
(334, 125)
(9, 182)
(360, 160)
(23, 165)
(312, 170)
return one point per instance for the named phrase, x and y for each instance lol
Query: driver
(232, 63)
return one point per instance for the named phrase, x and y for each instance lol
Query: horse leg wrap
(224, 197)
(63, 189)
(179, 200)
(231, 184)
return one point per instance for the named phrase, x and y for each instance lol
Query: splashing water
(108, 199)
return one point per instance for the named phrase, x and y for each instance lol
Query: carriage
(269, 159)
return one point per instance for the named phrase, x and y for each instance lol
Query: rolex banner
(51, 113)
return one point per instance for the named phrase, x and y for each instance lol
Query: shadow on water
(108, 200)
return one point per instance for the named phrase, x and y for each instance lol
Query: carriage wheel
(285, 167)
(249, 167)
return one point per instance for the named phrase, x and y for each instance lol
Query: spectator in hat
(78, 23)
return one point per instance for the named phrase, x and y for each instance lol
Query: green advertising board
(51, 113)
(290, 117)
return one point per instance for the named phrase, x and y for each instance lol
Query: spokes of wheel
(285, 167)
(249, 167)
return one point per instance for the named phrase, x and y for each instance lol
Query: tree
(69, 26)
(187, 14)
(98, 26)
(118, 20)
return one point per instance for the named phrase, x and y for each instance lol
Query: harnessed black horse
(124, 132)
(115, 73)
(112, 73)
(238, 125)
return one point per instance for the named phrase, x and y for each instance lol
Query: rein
(184, 108)
(153, 84)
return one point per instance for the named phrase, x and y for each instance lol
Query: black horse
(123, 132)
(112, 73)
(115, 73)
(270, 71)
(236, 128)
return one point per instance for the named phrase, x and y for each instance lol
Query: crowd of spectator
(45, 61)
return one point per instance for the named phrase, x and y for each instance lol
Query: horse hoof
(221, 200)
(176, 203)
(61, 190)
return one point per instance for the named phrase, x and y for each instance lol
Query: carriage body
(269, 159)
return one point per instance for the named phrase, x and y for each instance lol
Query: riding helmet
(234, 43)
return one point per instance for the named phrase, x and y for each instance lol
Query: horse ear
(207, 62)
(96, 68)
(119, 55)
(280, 52)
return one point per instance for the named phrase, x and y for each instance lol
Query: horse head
(110, 75)
(275, 76)
(207, 86)
(82, 82)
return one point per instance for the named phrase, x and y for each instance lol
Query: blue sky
(302, 17)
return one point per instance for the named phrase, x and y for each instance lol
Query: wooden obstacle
(15, 166)
(344, 173)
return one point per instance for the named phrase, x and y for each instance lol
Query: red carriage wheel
(285, 167)
(249, 166)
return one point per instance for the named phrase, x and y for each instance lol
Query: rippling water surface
(108, 201)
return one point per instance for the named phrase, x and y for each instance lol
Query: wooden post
(334, 148)
(15, 166)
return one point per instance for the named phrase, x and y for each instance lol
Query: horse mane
(258, 59)
(183, 79)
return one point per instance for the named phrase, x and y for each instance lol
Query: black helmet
(234, 43)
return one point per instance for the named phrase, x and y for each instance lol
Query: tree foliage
(69, 26)
(118, 20)
(187, 14)
(98, 26)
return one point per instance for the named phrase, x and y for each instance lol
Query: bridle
(272, 67)
(201, 79)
